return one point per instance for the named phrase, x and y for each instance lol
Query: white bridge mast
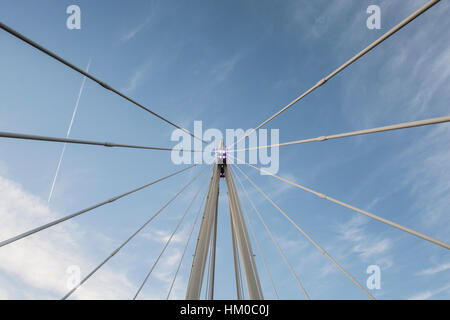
(242, 250)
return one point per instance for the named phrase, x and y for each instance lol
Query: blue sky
(232, 65)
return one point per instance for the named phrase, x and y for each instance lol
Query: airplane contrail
(68, 133)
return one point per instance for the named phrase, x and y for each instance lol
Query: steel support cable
(359, 132)
(131, 237)
(291, 269)
(308, 237)
(186, 246)
(70, 216)
(88, 75)
(23, 136)
(346, 205)
(167, 243)
(389, 33)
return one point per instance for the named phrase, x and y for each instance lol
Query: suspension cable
(186, 246)
(291, 269)
(86, 74)
(368, 214)
(403, 23)
(88, 142)
(359, 132)
(131, 237)
(167, 243)
(307, 236)
(70, 216)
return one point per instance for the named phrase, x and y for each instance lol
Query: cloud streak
(429, 293)
(434, 270)
(367, 246)
(136, 78)
(130, 34)
(37, 267)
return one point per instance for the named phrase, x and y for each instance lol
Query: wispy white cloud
(289, 244)
(137, 77)
(406, 81)
(316, 17)
(158, 286)
(368, 246)
(367, 251)
(36, 267)
(429, 293)
(411, 85)
(223, 69)
(130, 34)
(427, 176)
(162, 236)
(3, 169)
(422, 296)
(353, 229)
(434, 270)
